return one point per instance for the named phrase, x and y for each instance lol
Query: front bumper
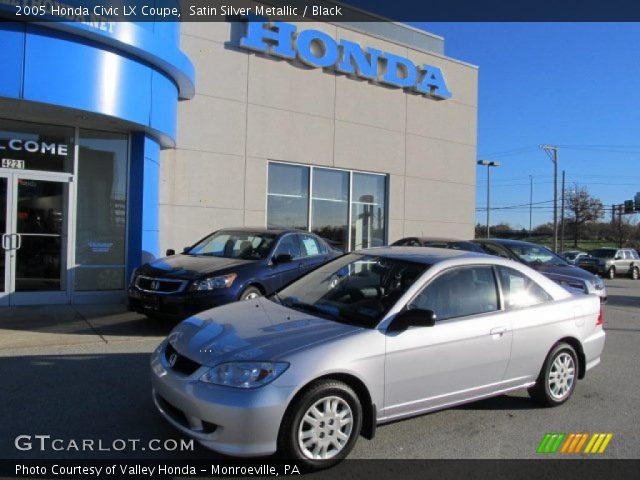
(176, 306)
(231, 421)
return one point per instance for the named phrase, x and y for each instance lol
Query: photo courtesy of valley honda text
(120, 143)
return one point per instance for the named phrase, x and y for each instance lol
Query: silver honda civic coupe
(371, 337)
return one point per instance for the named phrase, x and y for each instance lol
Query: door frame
(10, 297)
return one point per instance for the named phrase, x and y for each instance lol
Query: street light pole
(530, 201)
(552, 151)
(488, 164)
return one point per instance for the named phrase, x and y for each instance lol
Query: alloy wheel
(562, 375)
(325, 428)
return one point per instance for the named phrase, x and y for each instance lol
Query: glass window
(354, 289)
(289, 244)
(330, 206)
(288, 196)
(368, 206)
(520, 291)
(101, 211)
(245, 245)
(30, 146)
(460, 292)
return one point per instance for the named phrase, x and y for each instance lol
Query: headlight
(221, 281)
(244, 374)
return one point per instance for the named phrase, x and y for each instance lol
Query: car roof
(435, 239)
(507, 242)
(427, 255)
(275, 231)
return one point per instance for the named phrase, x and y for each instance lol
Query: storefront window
(330, 206)
(288, 196)
(368, 211)
(29, 146)
(290, 192)
(101, 208)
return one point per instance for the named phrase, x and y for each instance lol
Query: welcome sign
(319, 50)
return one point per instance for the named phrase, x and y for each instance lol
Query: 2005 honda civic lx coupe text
(373, 336)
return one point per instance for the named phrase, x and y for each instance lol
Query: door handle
(4, 241)
(19, 238)
(498, 331)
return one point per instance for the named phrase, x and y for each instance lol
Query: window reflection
(288, 196)
(330, 206)
(368, 207)
(101, 211)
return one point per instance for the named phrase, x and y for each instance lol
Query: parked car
(228, 265)
(548, 263)
(438, 243)
(403, 331)
(572, 256)
(612, 262)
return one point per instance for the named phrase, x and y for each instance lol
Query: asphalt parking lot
(82, 373)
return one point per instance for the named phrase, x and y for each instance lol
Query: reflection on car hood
(251, 330)
(570, 271)
(189, 266)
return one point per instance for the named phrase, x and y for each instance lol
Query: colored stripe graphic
(573, 443)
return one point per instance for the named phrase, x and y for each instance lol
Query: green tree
(582, 208)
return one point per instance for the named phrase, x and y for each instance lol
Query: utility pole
(562, 216)
(552, 151)
(621, 233)
(530, 201)
(488, 164)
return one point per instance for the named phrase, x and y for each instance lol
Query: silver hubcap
(325, 428)
(635, 273)
(251, 295)
(561, 376)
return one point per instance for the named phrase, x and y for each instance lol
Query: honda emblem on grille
(173, 358)
(155, 285)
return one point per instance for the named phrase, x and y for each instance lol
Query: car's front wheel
(558, 377)
(250, 293)
(322, 425)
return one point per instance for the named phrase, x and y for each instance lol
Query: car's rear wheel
(635, 273)
(250, 293)
(558, 377)
(611, 273)
(322, 425)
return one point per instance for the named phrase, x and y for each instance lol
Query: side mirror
(282, 258)
(170, 251)
(186, 249)
(414, 317)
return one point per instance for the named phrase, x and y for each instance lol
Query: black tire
(611, 273)
(542, 392)
(250, 293)
(288, 442)
(635, 273)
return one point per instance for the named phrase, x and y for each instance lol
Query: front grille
(159, 285)
(181, 364)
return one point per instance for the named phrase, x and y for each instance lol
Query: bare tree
(582, 208)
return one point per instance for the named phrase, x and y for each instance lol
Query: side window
(495, 250)
(288, 244)
(310, 246)
(519, 290)
(627, 255)
(460, 292)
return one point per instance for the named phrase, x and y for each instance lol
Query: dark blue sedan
(228, 265)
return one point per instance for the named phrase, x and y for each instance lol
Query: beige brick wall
(251, 108)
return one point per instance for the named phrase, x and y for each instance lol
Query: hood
(252, 330)
(570, 271)
(190, 266)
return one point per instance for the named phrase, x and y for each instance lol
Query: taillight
(600, 319)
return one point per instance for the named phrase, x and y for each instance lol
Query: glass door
(35, 240)
(5, 228)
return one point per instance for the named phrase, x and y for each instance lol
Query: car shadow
(503, 402)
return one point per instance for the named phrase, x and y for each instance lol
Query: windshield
(603, 253)
(356, 289)
(243, 245)
(536, 255)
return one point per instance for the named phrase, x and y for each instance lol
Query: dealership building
(121, 140)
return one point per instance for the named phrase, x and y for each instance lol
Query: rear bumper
(592, 347)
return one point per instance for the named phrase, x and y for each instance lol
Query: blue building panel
(11, 57)
(164, 104)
